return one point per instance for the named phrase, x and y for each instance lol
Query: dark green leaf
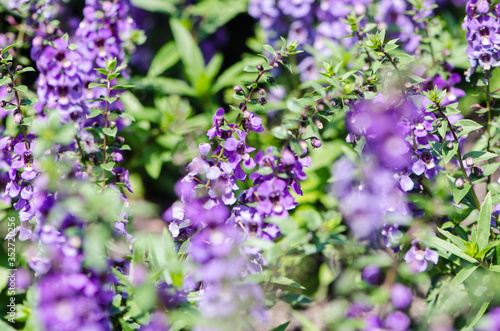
(282, 327)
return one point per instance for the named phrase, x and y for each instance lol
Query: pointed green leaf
(446, 246)
(164, 59)
(484, 223)
(189, 52)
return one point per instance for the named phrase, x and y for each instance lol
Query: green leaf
(287, 281)
(480, 156)
(462, 276)
(251, 69)
(110, 131)
(127, 116)
(281, 327)
(416, 79)
(443, 129)
(108, 166)
(21, 88)
(446, 246)
(6, 49)
(459, 193)
(270, 49)
(486, 249)
(154, 165)
(467, 126)
(94, 112)
(454, 239)
(164, 59)
(92, 85)
(189, 52)
(478, 315)
(490, 168)
(265, 171)
(484, 223)
(25, 69)
(168, 86)
(280, 132)
(448, 153)
(122, 87)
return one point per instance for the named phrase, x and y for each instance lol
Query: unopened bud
(318, 123)
(439, 123)
(238, 89)
(262, 91)
(303, 145)
(18, 118)
(469, 161)
(459, 183)
(395, 60)
(271, 80)
(477, 171)
(120, 140)
(315, 142)
(449, 144)
(19, 67)
(9, 89)
(459, 128)
(262, 101)
(446, 52)
(276, 65)
(476, 107)
(112, 124)
(259, 67)
(95, 124)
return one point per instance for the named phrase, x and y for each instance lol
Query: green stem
(460, 158)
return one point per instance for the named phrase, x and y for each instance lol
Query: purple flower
(373, 275)
(417, 257)
(401, 296)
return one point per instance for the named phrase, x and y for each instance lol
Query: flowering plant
(154, 175)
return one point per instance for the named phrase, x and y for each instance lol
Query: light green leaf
(484, 223)
(189, 52)
(467, 126)
(164, 59)
(480, 156)
(446, 246)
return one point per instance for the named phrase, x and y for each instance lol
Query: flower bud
(439, 123)
(303, 145)
(262, 101)
(9, 89)
(276, 65)
(315, 142)
(459, 183)
(476, 107)
(459, 128)
(262, 91)
(259, 67)
(477, 171)
(18, 118)
(449, 144)
(95, 124)
(238, 89)
(120, 140)
(469, 161)
(19, 67)
(318, 123)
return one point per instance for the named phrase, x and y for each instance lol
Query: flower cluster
(482, 35)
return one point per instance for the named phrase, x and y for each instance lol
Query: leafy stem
(459, 155)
